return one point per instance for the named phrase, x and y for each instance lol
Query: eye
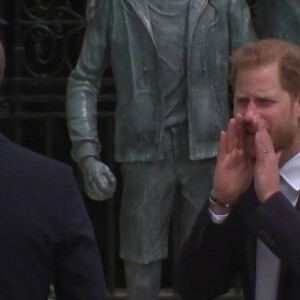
(265, 101)
(241, 101)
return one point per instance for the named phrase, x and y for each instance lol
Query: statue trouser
(153, 192)
(143, 280)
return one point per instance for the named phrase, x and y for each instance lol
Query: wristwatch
(216, 201)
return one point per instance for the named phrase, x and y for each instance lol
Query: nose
(250, 111)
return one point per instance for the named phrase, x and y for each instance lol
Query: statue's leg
(195, 185)
(195, 180)
(143, 280)
(146, 209)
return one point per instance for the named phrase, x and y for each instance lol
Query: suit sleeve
(207, 266)
(78, 269)
(277, 223)
(240, 25)
(85, 82)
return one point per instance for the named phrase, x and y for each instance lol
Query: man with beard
(250, 224)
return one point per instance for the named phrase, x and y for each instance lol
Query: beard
(282, 138)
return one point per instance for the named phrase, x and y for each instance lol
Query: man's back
(45, 233)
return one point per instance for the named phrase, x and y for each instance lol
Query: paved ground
(167, 294)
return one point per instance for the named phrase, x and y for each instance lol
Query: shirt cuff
(217, 219)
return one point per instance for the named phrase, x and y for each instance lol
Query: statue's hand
(99, 181)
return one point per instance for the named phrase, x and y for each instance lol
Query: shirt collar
(290, 172)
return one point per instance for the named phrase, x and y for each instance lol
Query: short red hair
(268, 51)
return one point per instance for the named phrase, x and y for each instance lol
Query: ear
(298, 96)
(297, 100)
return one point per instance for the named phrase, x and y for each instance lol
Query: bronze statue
(278, 18)
(170, 66)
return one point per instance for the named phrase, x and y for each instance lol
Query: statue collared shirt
(169, 20)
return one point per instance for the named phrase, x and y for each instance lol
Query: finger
(104, 185)
(259, 148)
(240, 130)
(111, 180)
(259, 125)
(222, 146)
(94, 193)
(232, 137)
(264, 141)
(263, 144)
(110, 176)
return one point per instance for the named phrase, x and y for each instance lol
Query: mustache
(251, 126)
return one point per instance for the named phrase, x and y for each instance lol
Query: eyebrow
(257, 96)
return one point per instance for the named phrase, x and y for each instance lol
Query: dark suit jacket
(214, 254)
(45, 231)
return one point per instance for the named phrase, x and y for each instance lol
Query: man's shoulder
(94, 5)
(20, 160)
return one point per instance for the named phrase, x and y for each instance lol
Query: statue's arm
(81, 104)
(240, 24)
(85, 82)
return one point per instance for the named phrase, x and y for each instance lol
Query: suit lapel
(283, 267)
(251, 258)
(248, 207)
(297, 206)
